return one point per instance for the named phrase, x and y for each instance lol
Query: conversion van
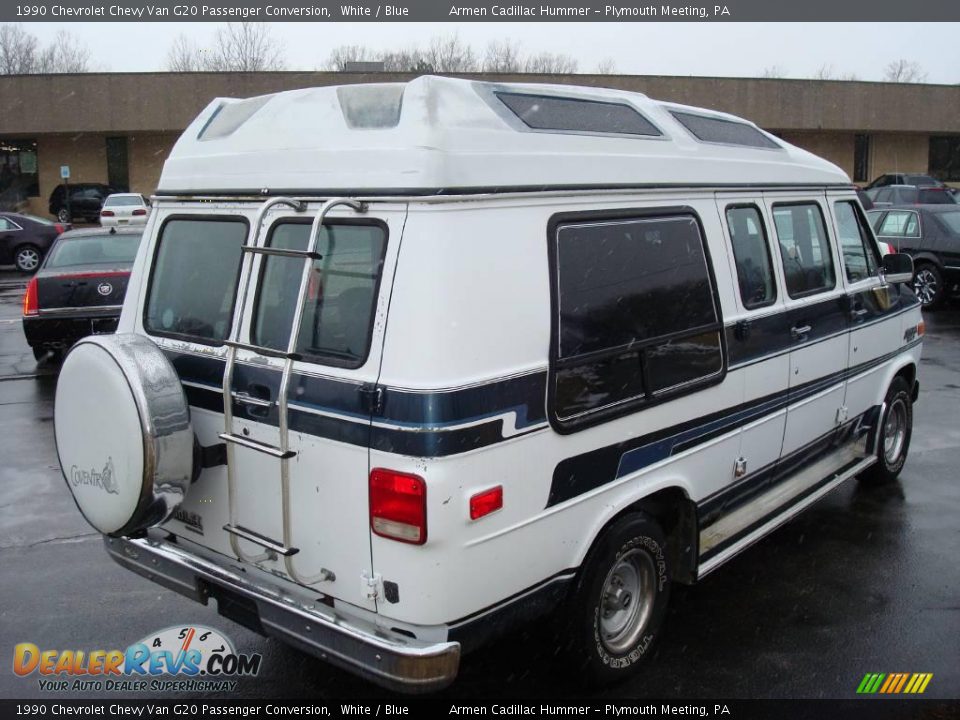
(403, 365)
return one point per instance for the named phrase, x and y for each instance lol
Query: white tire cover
(122, 426)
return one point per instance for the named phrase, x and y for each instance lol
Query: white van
(401, 366)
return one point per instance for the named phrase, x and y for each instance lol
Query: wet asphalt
(864, 581)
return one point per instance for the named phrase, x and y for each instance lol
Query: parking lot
(864, 581)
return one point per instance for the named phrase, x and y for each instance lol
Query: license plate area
(104, 326)
(240, 609)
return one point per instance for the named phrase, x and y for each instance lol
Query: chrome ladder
(282, 452)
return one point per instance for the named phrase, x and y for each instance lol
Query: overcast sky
(714, 49)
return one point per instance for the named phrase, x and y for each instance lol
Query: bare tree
(502, 56)
(550, 64)
(184, 56)
(21, 53)
(65, 55)
(607, 66)
(904, 71)
(245, 47)
(773, 72)
(824, 72)
(343, 55)
(450, 54)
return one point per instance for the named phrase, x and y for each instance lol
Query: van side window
(194, 279)
(636, 316)
(859, 258)
(341, 296)
(804, 249)
(758, 288)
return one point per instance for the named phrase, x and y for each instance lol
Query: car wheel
(928, 285)
(620, 600)
(27, 258)
(64, 216)
(894, 433)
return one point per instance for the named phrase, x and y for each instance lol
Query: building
(117, 128)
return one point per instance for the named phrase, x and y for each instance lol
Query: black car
(79, 289)
(25, 239)
(904, 179)
(86, 199)
(931, 234)
(912, 195)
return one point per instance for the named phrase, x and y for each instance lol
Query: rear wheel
(620, 601)
(27, 258)
(64, 215)
(895, 430)
(928, 285)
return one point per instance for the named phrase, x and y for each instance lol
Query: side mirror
(897, 268)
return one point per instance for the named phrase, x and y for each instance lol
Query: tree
(184, 56)
(343, 55)
(18, 51)
(904, 71)
(607, 66)
(450, 55)
(65, 55)
(237, 47)
(550, 64)
(502, 56)
(773, 72)
(21, 53)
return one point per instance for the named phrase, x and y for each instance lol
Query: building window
(804, 249)
(118, 166)
(18, 172)
(636, 314)
(945, 157)
(861, 158)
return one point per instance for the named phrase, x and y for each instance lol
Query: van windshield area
(120, 248)
(337, 320)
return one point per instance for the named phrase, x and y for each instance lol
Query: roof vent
(565, 114)
(231, 115)
(371, 106)
(719, 130)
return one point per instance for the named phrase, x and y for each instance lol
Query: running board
(271, 450)
(262, 541)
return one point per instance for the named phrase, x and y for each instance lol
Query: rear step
(261, 540)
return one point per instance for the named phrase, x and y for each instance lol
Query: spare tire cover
(122, 427)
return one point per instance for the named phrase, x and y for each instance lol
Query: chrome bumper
(388, 659)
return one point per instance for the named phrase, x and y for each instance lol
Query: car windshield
(94, 250)
(951, 220)
(124, 200)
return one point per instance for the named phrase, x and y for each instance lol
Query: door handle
(859, 313)
(798, 332)
(256, 399)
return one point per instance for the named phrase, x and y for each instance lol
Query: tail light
(31, 300)
(107, 213)
(59, 228)
(140, 211)
(486, 502)
(398, 506)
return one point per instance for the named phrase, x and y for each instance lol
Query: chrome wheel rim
(63, 216)
(627, 601)
(895, 431)
(28, 259)
(925, 286)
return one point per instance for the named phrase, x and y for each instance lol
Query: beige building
(118, 128)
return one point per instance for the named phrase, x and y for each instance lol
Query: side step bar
(271, 450)
(258, 539)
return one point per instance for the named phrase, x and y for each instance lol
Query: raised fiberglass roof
(445, 135)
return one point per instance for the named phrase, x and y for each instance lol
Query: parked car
(86, 199)
(25, 240)
(865, 199)
(124, 209)
(911, 195)
(79, 289)
(931, 234)
(918, 179)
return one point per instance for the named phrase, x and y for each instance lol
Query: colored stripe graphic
(894, 683)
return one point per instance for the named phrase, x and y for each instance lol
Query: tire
(27, 258)
(618, 605)
(928, 285)
(895, 431)
(64, 216)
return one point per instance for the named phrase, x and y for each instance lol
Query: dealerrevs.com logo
(183, 658)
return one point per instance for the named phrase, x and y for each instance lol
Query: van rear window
(337, 321)
(193, 283)
(636, 315)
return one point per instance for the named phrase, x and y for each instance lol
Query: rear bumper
(60, 332)
(388, 659)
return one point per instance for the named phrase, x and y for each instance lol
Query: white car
(124, 209)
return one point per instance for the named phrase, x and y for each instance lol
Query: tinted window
(124, 201)
(635, 312)
(951, 220)
(752, 254)
(572, 114)
(804, 249)
(936, 196)
(7, 225)
(720, 130)
(193, 282)
(342, 292)
(855, 241)
(94, 250)
(900, 223)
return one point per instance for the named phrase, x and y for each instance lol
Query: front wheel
(894, 432)
(928, 285)
(620, 601)
(27, 258)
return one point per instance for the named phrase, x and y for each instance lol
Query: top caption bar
(447, 11)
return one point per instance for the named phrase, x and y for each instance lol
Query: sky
(711, 49)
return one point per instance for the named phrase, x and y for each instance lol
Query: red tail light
(398, 506)
(107, 213)
(59, 228)
(486, 502)
(31, 301)
(139, 211)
